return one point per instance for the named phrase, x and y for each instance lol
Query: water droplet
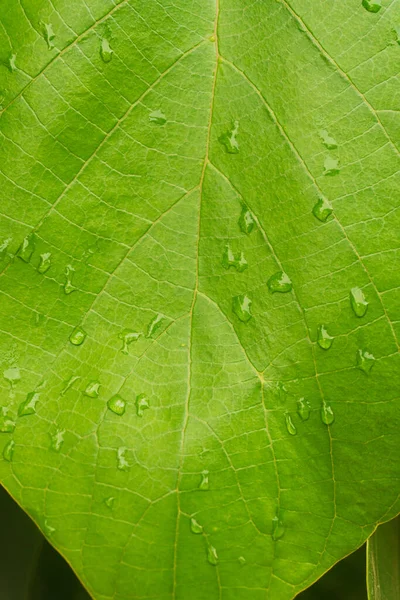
(27, 248)
(39, 319)
(372, 5)
(303, 409)
(68, 384)
(230, 260)
(7, 425)
(324, 340)
(228, 139)
(45, 262)
(3, 248)
(242, 560)
(109, 502)
(154, 325)
(78, 336)
(328, 141)
(195, 527)
(117, 405)
(358, 302)
(127, 338)
(290, 426)
(327, 415)
(68, 287)
(157, 117)
(212, 555)
(241, 306)
(48, 530)
(48, 34)
(28, 407)
(397, 33)
(12, 375)
(322, 209)
(57, 440)
(279, 282)
(92, 389)
(204, 483)
(122, 463)
(246, 220)
(11, 63)
(365, 360)
(8, 451)
(331, 166)
(278, 528)
(106, 52)
(142, 404)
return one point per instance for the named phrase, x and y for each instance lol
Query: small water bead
(212, 555)
(373, 6)
(327, 415)
(106, 52)
(27, 248)
(3, 248)
(28, 407)
(331, 166)
(117, 405)
(48, 34)
(328, 141)
(68, 286)
(228, 139)
(195, 527)
(246, 220)
(303, 409)
(109, 502)
(204, 483)
(230, 260)
(397, 34)
(68, 384)
(157, 117)
(290, 426)
(11, 63)
(154, 325)
(279, 282)
(122, 462)
(45, 262)
(322, 209)
(7, 425)
(127, 338)
(57, 440)
(358, 302)
(8, 451)
(78, 336)
(242, 561)
(92, 389)
(365, 360)
(48, 530)
(278, 528)
(142, 404)
(324, 340)
(241, 306)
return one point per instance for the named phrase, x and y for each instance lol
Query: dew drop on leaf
(3, 248)
(328, 141)
(195, 527)
(92, 389)
(8, 451)
(242, 560)
(278, 528)
(324, 340)
(331, 166)
(7, 425)
(204, 483)
(157, 117)
(68, 286)
(322, 209)
(279, 282)
(57, 440)
(11, 63)
(27, 248)
(122, 462)
(106, 52)
(246, 220)
(154, 325)
(212, 555)
(230, 260)
(372, 5)
(12, 375)
(109, 502)
(68, 384)
(358, 302)
(78, 336)
(48, 530)
(241, 306)
(142, 404)
(117, 405)
(48, 34)
(327, 415)
(28, 406)
(290, 426)
(127, 338)
(303, 409)
(228, 139)
(45, 262)
(365, 360)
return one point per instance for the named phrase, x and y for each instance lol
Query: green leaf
(383, 560)
(190, 192)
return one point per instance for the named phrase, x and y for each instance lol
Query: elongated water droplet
(106, 52)
(92, 389)
(157, 117)
(154, 325)
(7, 425)
(122, 462)
(228, 139)
(372, 5)
(397, 34)
(212, 555)
(365, 360)
(322, 209)
(78, 336)
(28, 407)
(278, 528)
(27, 248)
(142, 404)
(242, 561)
(48, 34)
(241, 306)
(328, 141)
(8, 451)
(11, 63)
(195, 527)
(127, 338)
(230, 260)
(358, 302)
(3, 248)
(303, 409)
(109, 502)
(324, 340)
(279, 282)
(68, 287)
(331, 166)
(68, 384)
(57, 440)
(48, 530)
(204, 483)
(117, 405)
(290, 426)
(45, 262)
(327, 415)
(246, 220)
